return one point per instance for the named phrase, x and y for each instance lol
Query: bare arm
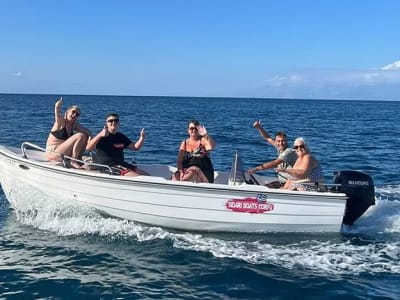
(300, 169)
(208, 142)
(297, 173)
(92, 143)
(263, 133)
(179, 158)
(206, 139)
(267, 165)
(58, 118)
(139, 143)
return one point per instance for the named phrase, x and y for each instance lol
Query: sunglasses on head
(113, 120)
(298, 147)
(192, 128)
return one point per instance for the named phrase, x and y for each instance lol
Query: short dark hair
(281, 134)
(194, 121)
(113, 114)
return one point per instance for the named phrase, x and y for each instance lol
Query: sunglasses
(192, 128)
(75, 112)
(113, 121)
(298, 147)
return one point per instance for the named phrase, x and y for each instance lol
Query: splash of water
(380, 253)
(383, 217)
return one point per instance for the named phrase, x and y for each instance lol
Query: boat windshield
(237, 174)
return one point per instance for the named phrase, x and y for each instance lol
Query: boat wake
(371, 246)
(383, 217)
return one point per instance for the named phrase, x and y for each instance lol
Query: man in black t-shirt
(110, 145)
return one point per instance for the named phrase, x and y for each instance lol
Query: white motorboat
(231, 204)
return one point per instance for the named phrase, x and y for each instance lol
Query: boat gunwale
(141, 180)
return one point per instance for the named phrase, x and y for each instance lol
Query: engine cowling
(360, 190)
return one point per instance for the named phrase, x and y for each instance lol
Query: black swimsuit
(200, 158)
(61, 134)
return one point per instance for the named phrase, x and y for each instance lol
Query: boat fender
(360, 190)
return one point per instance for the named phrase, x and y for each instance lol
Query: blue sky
(286, 49)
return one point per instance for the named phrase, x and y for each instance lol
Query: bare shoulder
(182, 145)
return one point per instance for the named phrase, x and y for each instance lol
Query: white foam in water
(321, 257)
(68, 218)
(383, 217)
(327, 258)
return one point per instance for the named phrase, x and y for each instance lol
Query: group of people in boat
(296, 168)
(68, 138)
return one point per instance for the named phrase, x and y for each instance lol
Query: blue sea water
(54, 250)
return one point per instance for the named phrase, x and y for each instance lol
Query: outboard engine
(360, 190)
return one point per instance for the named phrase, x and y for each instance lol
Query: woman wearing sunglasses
(67, 136)
(193, 161)
(110, 144)
(306, 173)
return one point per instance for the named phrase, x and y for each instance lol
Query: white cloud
(279, 80)
(331, 84)
(393, 66)
(18, 74)
(334, 77)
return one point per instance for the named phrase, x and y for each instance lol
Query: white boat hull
(158, 201)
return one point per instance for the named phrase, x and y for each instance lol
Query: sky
(337, 49)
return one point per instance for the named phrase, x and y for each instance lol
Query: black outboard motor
(359, 187)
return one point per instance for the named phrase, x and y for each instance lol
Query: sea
(55, 250)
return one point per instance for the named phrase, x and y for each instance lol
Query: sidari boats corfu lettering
(235, 202)
(251, 205)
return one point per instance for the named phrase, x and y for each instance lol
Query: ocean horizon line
(199, 97)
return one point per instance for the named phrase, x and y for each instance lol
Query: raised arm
(263, 133)
(58, 117)
(206, 139)
(139, 143)
(92, 143)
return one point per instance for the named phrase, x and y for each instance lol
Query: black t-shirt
(110, 149)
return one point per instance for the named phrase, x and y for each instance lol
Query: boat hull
(158, 201)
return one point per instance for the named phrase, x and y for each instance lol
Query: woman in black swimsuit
(67, 136)
(193, 161)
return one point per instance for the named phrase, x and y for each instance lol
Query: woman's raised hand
(201, 129)
(59, 102)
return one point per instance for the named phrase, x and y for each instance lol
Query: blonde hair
(76, 107)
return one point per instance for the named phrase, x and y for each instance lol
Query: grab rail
(64, 157)
(23, 148)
